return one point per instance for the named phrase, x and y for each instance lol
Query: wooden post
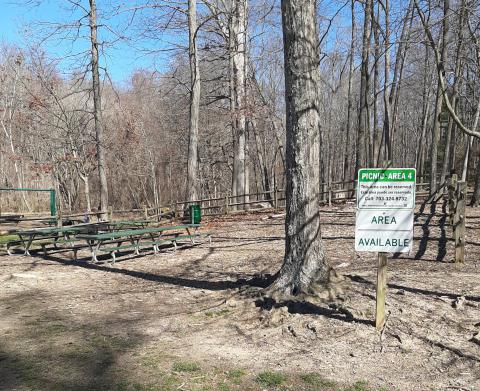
(175, 211)
(459, 222)
(59, 218)
(226, 204)
(275, 198)
(330, 194)
(452, 202)
(110, 213)
(145, 212)
(381, 290)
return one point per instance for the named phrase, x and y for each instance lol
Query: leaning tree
(305, 268)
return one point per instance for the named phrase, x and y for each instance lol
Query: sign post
(384, 223)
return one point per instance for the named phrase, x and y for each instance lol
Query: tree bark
(238, 42)
(97, 112)
(449, 156)
(346, 161)
(393, 98)
(363, 130)
(192, 162)
(439, 102)
(305, 265)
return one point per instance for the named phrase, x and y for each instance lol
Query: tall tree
(363, 123)
(97, 111)
(192, 162)
(305, 265)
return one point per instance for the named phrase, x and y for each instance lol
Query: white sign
(384, 231)
(385, 203)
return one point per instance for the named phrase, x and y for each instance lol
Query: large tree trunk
(97, 113)
(394, 94)
(305, 266)
(439, 102)
(375, 136)
(237, 47)
(192, 163)
(346, 161)
(449, 156)
(387, 117)
(363, 128)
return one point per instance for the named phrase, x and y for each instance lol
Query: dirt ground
(183, 321)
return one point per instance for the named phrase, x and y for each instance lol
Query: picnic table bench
(112, 242)
(11, 218)
(53, 235)
(123, 224)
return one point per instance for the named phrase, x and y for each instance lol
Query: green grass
(212, 314)
(316, 381)
(4, 239)
(270, 379)
(360, 385)
(223, 387)
(235, 376)
(184, 366)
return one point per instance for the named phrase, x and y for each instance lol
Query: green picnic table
(112, 242)
(123, 224)
(27, 237)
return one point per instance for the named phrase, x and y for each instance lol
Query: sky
(22, 23)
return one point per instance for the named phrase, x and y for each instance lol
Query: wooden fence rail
(228, 203)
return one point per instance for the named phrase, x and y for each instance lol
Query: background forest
(399, 83)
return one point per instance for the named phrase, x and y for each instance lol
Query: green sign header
(387, 175)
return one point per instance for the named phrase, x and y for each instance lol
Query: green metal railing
(53, 203)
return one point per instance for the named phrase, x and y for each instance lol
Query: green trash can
(195, 214)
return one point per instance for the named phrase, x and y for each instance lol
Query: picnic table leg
(93, 249)
(192, 237)
(55, 242)
(135, 244)
(154, 239)
(27, 246)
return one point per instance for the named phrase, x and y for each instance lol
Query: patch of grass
(184, 366)
(361, 385)
(78, 352)
(55, 328)
(270, 379)
(223, 387)
(212, 314)
(108, 342)
(152, 361)
(4, 239)
(235, 375)
(316, 380)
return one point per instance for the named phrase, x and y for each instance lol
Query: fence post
(275, 198)
(329, 194)
(459, 222)
(145, 212)
(175, 211)
(59, 217)
(110, 212)
(452, 188)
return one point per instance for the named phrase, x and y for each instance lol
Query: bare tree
(305, 265)
(192, 162)
(97, 111)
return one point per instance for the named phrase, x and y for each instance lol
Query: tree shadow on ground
(331, 311)
(453, 296)
(53, 350)
(425, 239)
(255, 280)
